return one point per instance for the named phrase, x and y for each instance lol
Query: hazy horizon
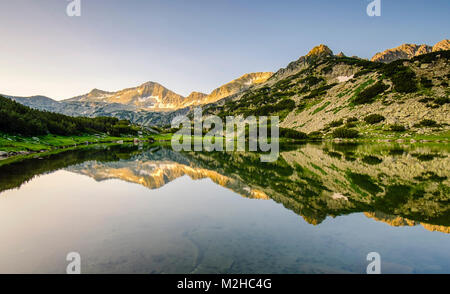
(195, 46)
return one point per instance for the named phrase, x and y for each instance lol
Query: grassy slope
(11, 143)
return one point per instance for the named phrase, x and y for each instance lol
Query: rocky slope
(148, 96)
(37, 102)
(195, 98)
(320, 92)
(238, 85)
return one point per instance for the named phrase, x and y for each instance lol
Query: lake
(321, 208)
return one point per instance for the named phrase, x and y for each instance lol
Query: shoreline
(12, 156)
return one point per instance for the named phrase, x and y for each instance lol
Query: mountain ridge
(148, 97)
(318, 81)
(408, 51)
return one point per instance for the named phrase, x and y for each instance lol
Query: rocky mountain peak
(196, 95)
(407, 51)
(442, 45)
(194, 98)
(320, 51)
(238, 85)
(97, 92)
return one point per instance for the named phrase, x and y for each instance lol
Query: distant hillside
(16, 118)
(38, 102)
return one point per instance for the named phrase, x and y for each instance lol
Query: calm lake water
(321, 208)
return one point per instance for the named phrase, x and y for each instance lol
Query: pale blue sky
(191, 45)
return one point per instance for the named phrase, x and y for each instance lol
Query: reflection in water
(402, 186)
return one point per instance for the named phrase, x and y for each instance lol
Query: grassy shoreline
(12, 147)
(17, 147)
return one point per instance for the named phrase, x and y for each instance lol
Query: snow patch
(342, 79)
(143, 99)
(336, 196)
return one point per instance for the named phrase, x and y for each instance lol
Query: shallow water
(321, 208)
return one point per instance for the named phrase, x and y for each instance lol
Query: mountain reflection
(399, 185)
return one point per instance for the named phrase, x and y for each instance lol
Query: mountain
(138, 103)
(442, 46)
(37, 102)
(152, 96)
(194, 98)
(238, 85)
(408, 51)
(321, 92)
(316, 93)
(317, 52)
(149, 96)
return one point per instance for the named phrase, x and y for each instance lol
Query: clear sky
(191, 45)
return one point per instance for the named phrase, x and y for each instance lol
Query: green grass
(11, 143)
(162, 137)
(318, 109)
(360, 88)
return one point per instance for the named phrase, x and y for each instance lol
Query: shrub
(270, 108)
(322, 90)
(442, 100)
(350, 125)
(311, 80)
(428, 123)
(426, 83)
(404, 82)
(283, 84)
(423, 157)
(403, 78)
(315, 134)
(396, 151)
(284, 104)
(352, 119)
(368, 95)
(292, 134)
(362, 72)
(374, 119)
(426, 100)
(372, 160)
(397, 128)
(345, 133)
(336, 123)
